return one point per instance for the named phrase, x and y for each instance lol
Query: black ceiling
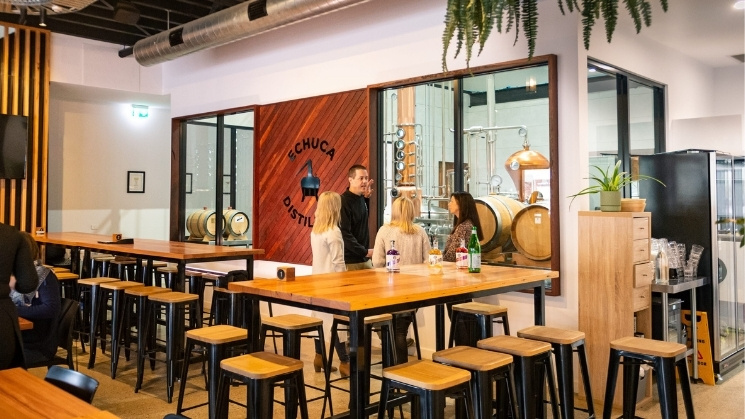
(97, 21)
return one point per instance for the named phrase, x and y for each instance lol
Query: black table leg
(440, 327)
(359, 393)
(539, 304)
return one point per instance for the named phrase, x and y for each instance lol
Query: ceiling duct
(238, 22)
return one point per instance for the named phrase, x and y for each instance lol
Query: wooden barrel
(201, 224)
(495, 214)
(531, 232)
(236, 223)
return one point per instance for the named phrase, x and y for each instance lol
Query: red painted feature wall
(331, 132)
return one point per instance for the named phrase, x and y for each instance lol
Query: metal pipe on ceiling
(235, 23)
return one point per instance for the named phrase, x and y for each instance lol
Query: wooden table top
(25, 395)
(162, 249)
(371, 288)
(25, 324)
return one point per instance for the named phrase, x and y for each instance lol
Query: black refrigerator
(704, 193)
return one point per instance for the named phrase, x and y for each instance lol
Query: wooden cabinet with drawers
(615, 272)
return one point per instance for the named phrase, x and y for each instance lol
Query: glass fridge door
(739, 199)
(727, 252)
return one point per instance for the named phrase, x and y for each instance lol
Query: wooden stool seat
(156, 264)
(292, 321)
(168, 269)
(514, 346)
(261, 365)
(551, 335)
(227, 291)
(474, 307)
(100, 258)
(173, 297)
(143, 291)
(368, 320)
(194, 273)
(96, 281)
(472, 358)
(648, 347)
(216, 335)
(57, 270)
(120, 285)
(66, 276)
(123, 261)
(427, 375)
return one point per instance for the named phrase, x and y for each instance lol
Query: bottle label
(461, 260)
(474, 261)
(435, 263)
(393, 263)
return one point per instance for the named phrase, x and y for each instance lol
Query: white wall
(388, 40)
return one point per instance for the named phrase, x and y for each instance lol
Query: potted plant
(609, 185)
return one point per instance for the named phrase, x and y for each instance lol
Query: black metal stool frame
(431, 401)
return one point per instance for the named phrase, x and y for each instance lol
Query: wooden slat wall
(24, 90)
(338, 119)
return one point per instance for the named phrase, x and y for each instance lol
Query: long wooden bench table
(180, 253)
(358, 294)
(25, 395)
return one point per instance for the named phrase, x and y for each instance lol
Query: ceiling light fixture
(42, 18)
(740, 5)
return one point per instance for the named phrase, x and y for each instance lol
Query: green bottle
(474, 252)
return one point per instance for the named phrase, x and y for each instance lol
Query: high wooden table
(25, 395)
(180, 253)
(358, 294)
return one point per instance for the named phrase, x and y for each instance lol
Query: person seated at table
(413, 245)
(42, 307)
(465, 217)
(15, 259)
(327, 246)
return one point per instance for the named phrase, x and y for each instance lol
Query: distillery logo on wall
(310, 183)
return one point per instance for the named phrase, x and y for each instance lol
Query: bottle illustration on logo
(310, 184)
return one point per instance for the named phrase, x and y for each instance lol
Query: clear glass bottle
(435, 258)
(474, 252)
(461, 255)
(661, 265)
(393, 259)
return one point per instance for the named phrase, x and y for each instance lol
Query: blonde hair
(402, 215)
(328, 212)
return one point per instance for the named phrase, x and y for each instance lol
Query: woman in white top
(327, 246)
(413, 245)
(325, 239)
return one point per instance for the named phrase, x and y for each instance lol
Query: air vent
(739, 57)
(126, 12)
(257, 10)
(176, 37)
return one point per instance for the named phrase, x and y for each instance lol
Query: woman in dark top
(463, 208)
(42, 307)
(15, 259)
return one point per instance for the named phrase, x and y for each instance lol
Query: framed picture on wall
(187, 181)
(135, 182)
(226, 184)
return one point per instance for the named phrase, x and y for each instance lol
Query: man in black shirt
(355, 202)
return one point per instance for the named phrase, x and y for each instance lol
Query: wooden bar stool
(136, 298)
(485, 367)
(293, 327)
(68, 283)
(227, 307)
(114, 290)
(664, 357)
(164, 276)
(412, 313)
(57, 269)
(260, 371)
(382, 322)
(148, 276)
(89, 296)
(429, 383)
(485, 314)
(176, 304)
(208, 280)
(216, 340)
(122, 268)
(564, 343)
(533, 363)
(100, 265)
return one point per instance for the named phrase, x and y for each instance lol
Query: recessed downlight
(740, 5)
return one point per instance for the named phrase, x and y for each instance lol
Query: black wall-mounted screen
(13, 146)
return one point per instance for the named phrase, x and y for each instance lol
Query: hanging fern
(473, 21)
